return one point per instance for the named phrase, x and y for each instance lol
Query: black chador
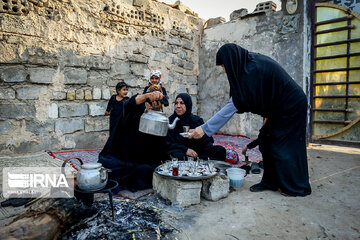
(132, 155)
(178, 145)
(260, 85)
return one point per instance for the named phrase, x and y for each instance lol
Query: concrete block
(79, 94)
(70, 95)
(13, 74)
(106, 93)
(17, 111)
(69, 125)
(215, 188)
(120, 67)
(32, 92)
(73, 110)
(42, 75)
(96, 93)
(88, 95)
(59, 95)
(181, 193)
(75, 76)
(7, 93)
(53, 110)
(97, 124)
(97, 109)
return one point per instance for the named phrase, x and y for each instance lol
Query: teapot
(155, 123)
(91, 176)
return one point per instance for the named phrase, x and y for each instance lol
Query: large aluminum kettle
(155, 123)
(91, 176)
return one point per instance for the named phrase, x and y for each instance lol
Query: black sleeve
(145, 89)
(110, 103)
(165, 100)
(253, 144)
(133, 111)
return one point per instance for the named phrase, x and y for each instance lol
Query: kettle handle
(64, 163)
(103, 174)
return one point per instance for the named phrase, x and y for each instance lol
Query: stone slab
(97, 109)
(73, 110)
(17, 110)
(69, 125)
(75, 76)
(178, 192)
(215, 188)
(31, 92)
(42, 75)
(97, 124)
(7, 93)
(13, 74)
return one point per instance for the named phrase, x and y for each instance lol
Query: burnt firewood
(47, 219)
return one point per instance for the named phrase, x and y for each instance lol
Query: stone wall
(60, 61)
(271, 33)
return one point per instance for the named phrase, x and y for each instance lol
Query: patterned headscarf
(156, 73)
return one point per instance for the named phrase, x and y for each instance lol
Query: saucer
(185, 134)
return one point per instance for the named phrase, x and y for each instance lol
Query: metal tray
(189, 178)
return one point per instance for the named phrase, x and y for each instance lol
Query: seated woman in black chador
(132, 155)
(180, 147)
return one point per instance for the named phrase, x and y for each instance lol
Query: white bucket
(236, 176)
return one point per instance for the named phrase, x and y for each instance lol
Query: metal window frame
(313, 4)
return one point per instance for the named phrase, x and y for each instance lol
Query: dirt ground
(332, 211)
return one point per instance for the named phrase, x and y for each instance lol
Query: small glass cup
(175, 167)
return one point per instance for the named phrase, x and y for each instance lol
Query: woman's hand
(196, 133)
(107, 113)
(151, 96)
(155, 96)
(244, 150)
(191, 153)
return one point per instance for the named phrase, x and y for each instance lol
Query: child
(155, 85)
(116, 103)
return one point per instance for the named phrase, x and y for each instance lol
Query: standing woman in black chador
(260, 85)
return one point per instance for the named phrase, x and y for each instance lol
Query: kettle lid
(91, 165)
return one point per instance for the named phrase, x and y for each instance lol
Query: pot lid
(91, 165)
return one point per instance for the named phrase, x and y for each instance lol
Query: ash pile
(133, 220)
